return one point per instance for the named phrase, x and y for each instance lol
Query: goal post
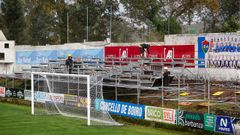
(69, 95)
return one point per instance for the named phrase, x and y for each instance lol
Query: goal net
(68, 95)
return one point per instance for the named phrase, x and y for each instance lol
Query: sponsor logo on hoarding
(154, 113)
(124, 54)
(224, 124)
(169, 115)
(82, 101)
(57, 98)
(14, 93)
(74, 100)
(2, 91)
(27, 95)
(40, 96)
(236, 124)
(169, 54)
(190, 119)
(205, 46)
(70, 100)
(20, 94)
(8, 93)
(160, 114)
(120, 108)
(209, 122)
(201, 53)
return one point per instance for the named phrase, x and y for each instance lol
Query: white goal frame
(66, 75)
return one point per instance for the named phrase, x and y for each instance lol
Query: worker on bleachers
(69, 63)
(166, 76)
(144, 49)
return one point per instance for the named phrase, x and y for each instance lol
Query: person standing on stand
(144, 50)
(166, 76)
(69, 63)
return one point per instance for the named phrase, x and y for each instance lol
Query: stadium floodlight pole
(110, 30)
(87, 24)
(67, 28)
(32, 95)
(168, 17)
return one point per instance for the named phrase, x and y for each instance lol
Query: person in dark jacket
(166, 76)
(69, 63)
(144, 48)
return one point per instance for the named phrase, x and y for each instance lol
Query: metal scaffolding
(144, 76)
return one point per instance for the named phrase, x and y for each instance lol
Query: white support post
(32, 91)
(88, 101)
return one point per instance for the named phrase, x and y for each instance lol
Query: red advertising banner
(169, 115)
(167, 52)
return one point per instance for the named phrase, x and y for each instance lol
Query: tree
(98, 19)
(13, 15)
(231, 25)
(154, 14)
(230, 15)
(41, 17)
(3, 25)
(62, 10)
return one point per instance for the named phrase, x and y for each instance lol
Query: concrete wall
(180, 39)
(56, 47)
(136, 44)
(7, 48)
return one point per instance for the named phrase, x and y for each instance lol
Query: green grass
(17, 120)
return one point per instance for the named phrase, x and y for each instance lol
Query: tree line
(39, 22)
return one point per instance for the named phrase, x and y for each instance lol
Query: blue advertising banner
(37, 57)
(40, 96)
(91, 53)
(62, 54)
(201, 51)
(120, 108)
(224, 124)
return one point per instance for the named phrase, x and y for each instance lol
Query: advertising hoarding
(209, 122)
(120, 108)
(224, 124)
(2, 91)
(160, 114)
(190, 119)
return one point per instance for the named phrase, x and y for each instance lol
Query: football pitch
(17, 120)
